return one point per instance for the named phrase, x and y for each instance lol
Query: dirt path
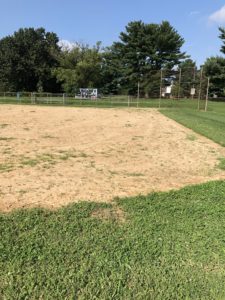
(51, 156)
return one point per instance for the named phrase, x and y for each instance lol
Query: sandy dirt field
(52, 156)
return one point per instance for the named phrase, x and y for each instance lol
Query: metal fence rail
(164, 88)
(52, 99)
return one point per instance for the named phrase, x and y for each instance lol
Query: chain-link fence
(187, 87)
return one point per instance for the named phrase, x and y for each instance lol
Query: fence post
(207, 95)
(200, 89)
(160, 96)
(138, 95)
(33, 98)
(180, 75)
(194, 83)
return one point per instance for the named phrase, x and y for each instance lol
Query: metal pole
(160, 96)
(200, 89)
(207, 95)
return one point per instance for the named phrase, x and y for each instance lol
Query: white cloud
(218, 16)
(67, 45)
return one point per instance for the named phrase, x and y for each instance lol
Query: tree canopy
(143, 49)
(215, 69)
(222, 37)
(79, 67)
(32, 60)
(27, 58)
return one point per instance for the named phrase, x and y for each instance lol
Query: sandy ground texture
(52, 156)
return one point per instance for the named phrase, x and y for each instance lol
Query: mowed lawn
(162, 246)
(210, 124)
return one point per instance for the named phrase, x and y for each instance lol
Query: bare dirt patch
(52, 156)
(114, 213)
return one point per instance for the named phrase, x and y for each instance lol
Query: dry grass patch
(113, 213)
(98, 154)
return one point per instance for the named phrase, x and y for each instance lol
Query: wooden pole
(160, 96)
(193, 84)
(200, 89)
(207, 95)
(138, 95)
(180, 74)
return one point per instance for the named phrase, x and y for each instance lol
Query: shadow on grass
(169, 246)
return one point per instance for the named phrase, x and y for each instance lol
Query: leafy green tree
(214, 68)
(27, 58)
(80, 67)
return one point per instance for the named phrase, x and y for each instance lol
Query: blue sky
(102, 20)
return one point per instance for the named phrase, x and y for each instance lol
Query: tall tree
(112, 71)
(27, 58)
(144, 49)
(222, 37)
(215, 69)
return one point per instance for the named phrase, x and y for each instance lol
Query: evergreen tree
(143, 50)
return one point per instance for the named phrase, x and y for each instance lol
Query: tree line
(32, 60)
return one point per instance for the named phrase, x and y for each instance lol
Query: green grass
(45, 160)
(6, 167)
(32, 162)
(6, 138)
(210, 124)
(4, 125)
(171, 246)
(110, 101)
(191, 137)
(221, 164)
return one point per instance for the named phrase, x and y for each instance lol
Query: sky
(89, 21)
